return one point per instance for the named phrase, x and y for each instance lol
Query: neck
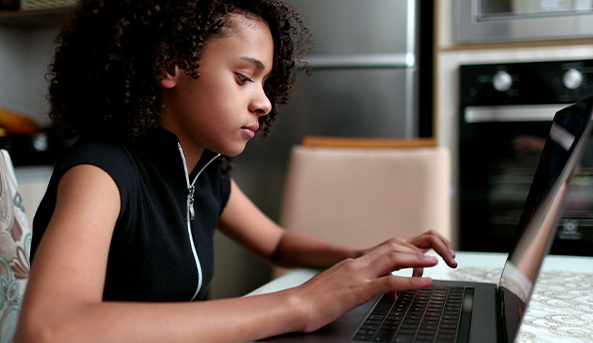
(191, 152)
(192, 156)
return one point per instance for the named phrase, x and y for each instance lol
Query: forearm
(296, 249)
(227, 320)
(244, 223)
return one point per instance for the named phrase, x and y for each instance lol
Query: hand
(424, 242)
(433, 240)
(354, 282)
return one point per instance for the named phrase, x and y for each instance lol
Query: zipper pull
(192, 212)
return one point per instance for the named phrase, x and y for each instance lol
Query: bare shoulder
(71, 258)
(88, 182)
(87, 199)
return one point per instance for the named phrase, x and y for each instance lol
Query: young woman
(156, 92)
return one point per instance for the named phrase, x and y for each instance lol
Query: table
(560, 310)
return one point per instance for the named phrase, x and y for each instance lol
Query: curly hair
(111, 54)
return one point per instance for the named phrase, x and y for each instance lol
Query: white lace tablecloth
(561, 308)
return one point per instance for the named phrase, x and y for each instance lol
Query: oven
(505, 114)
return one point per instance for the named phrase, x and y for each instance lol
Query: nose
(260, 104)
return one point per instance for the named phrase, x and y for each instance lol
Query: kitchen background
(381, 68)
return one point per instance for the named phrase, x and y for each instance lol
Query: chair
(15, 244)
(361, 192)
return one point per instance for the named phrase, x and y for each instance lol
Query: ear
(170, 77)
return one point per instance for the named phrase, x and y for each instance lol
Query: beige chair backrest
(15, 245)
(362, 196)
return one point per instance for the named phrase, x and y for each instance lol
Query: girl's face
(219, 111)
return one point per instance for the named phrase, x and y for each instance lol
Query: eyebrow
(258, 63)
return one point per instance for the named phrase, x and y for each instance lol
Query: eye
(243, 79)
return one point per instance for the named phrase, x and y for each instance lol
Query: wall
(24, 57)
(449, 56)
(12, 55)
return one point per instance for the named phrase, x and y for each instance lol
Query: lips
(250, 130)
(252, 127)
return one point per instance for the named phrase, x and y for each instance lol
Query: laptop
(457, 311)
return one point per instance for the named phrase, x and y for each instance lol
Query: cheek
(212, 94)
(212, 102)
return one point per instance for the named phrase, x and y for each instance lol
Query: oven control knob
(573, 79)
(502, 81)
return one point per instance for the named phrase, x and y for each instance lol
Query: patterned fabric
(15, 243)
(560, 310)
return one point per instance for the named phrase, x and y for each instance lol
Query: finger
(446, 252)
(393, 260)
(392, 295)
(439, 243)
(418, 272)
(410, 245)
(392, 284)
(425, 239)
(400, 241)
(394, 245)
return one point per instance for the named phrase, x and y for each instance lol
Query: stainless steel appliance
(505, 111)
(519, 20)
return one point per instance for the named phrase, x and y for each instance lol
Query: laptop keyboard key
(407, 332)
(404, 339)
(362, 338)
(384, 336)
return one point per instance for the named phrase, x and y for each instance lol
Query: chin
(233, 151)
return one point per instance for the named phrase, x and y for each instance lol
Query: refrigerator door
(364, 65)
(353, 27)
(355, 102)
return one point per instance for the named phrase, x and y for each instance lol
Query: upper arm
(243, 222)
(71, 260)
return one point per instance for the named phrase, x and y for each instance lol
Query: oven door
(499, 151)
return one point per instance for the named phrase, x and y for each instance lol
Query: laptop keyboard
(437, 314)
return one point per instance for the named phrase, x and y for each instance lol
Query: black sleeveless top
(152, 257)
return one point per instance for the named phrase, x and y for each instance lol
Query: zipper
(191, 189)
(192, 211)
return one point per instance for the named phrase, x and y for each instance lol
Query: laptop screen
(566, 143)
